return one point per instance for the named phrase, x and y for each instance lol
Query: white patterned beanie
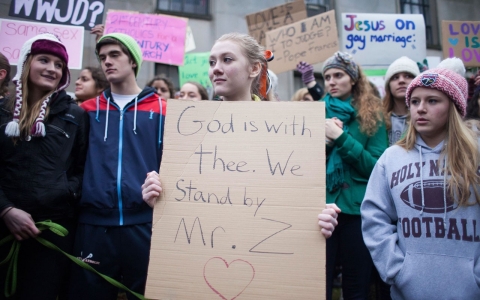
(45, 43)
(402, 64)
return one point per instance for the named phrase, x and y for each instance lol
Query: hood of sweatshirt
(144, 96)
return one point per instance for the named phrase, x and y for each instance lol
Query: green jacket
(361, 153)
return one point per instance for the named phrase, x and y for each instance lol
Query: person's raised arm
(98, 31)
(314, 89)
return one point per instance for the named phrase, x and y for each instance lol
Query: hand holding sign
(98, 31)
(151, 189)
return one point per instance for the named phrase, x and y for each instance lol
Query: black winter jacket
(316, 92)
(43, 175)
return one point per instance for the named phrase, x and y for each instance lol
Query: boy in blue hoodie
(125, 143)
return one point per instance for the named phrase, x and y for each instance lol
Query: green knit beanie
(131, 45)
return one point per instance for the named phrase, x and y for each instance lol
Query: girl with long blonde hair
(238, 72)
(421, 208)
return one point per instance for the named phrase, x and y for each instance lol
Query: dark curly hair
(99, 78)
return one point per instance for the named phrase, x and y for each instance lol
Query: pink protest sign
(161, 37)
(14, 33)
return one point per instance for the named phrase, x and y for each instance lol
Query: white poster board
(379, 39)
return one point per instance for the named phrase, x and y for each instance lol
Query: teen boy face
(115, 64)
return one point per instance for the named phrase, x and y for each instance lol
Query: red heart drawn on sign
(229, 278)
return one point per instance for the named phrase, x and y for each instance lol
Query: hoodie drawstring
(445, 192)
(135, 117)
(106, 123)
(161, 122)
(421, 180)
(444, 187)
(98, 109)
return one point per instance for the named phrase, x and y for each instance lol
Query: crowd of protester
(402, 184)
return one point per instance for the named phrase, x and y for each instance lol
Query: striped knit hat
(45, 43)
(447, 81)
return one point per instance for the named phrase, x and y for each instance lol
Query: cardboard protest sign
(86, 13)
(195, 68)
(261, 22)
(379, 39)
(312, 40)
(461, 39)
(161, 37)
(243, 183)
(13, 34)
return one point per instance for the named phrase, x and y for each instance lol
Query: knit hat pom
(13, 129)
(455, 64)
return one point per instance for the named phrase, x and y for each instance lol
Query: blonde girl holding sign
(238, 72)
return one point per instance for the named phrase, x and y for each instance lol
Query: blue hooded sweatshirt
(124, 145)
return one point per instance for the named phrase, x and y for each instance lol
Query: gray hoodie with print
(423, 244)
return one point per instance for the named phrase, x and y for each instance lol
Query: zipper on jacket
(119, 168)
(60, 130)
(120, 154)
